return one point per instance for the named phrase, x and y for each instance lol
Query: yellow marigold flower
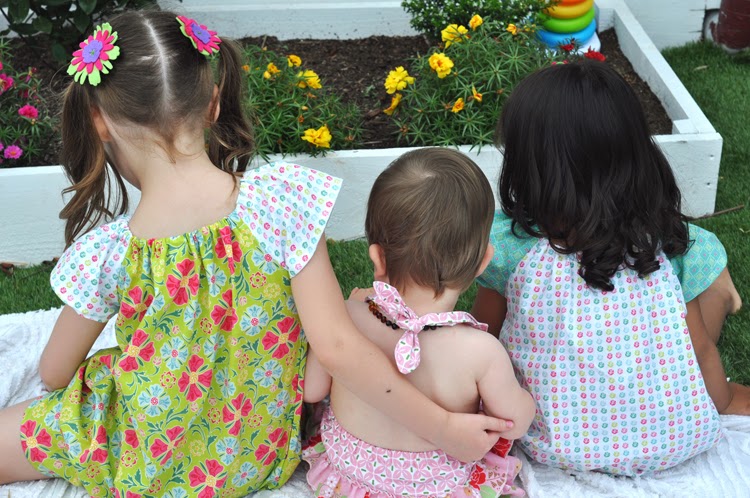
(512, 29)
(308, 78)
(453, 34)
(458, 106)
(395, 100)
(293, 60)
(271, 71)
(319, 138)
(475, 22)
(397, 80)
(477, 96)
(441, 64)
(246, 68)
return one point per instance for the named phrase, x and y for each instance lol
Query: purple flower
(13, 152)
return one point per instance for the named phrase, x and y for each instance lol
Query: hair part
(431, 212)
(161, 84)
(580, 168)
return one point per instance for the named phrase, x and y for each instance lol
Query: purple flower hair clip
(202, 38)
(94, 56)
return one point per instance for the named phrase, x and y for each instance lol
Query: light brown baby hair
(431, 212)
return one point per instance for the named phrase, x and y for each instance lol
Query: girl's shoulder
(510, 247)
(87, 274)
(701, 265)
(287, 207)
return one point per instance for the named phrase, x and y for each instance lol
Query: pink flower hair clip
(95, 56)
(202, 38)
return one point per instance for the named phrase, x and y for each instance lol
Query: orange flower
(458, 106)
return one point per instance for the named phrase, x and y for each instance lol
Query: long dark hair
(581, 169)
(161, 82)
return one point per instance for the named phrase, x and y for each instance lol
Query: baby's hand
(740, 404)
(361, 294)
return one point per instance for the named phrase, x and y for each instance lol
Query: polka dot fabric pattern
(287, 208)
(614, 375)
(86, 277)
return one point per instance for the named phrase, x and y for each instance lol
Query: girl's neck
(422, 299)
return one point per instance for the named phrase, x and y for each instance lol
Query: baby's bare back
(447, 374)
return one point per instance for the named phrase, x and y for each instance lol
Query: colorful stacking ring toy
(570, 10)
(556, 39)
(569, 25)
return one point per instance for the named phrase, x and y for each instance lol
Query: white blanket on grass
(723, 472)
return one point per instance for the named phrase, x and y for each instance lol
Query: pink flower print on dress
(165, 447)
(202, 38)
(35, 442)
(208, 477)
(224, 315)
(228, 248)
(197, 381)
(95, 55)
(288, 333)
(137, 304)
(97, 450)
(185, 284)
(233, 413)
(136, 353)
(267, 453)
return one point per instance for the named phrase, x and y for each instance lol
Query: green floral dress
(203, 394)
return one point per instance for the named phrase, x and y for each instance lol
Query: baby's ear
(377, 256)
(488, 255)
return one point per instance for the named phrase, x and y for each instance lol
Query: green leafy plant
(64, 21)
(27, 124)
(431, 16)
(457, 93)
(291, 110)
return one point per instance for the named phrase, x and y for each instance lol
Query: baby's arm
(490, 307)
(501, 394)
(365, 370)
(729, 398)
(70, 342)
(317, 380)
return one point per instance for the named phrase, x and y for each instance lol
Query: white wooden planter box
(30, 199)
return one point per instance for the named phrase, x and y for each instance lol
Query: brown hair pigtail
(85, 163)
(231, 135)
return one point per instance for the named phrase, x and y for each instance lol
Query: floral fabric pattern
(344, 466)
(203, 394)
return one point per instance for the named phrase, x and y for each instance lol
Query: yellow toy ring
(570, 2)
(562, 11)
(569, 25)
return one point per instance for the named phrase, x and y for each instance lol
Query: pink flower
(13, 152)
(97, 450)
(208, 477)
(202, 38)
(137, 353)
(34, 441)
(6, 83)
(185, 284)
(161, 447)
(281, 342)
(28, 111)
(266, 453)
(228, 248)
(197, 381)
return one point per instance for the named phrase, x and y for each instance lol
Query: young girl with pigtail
(213, 276)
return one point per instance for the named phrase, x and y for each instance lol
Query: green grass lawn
(722, 89)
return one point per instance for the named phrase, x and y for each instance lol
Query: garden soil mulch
(355, 70)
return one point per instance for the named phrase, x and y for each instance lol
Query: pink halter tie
(407, 351)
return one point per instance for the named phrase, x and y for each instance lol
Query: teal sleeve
(509, 251)
(701, 265)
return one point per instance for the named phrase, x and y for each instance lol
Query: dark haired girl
(211, 276)
(608, 302)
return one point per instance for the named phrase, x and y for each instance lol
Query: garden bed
(694, 148)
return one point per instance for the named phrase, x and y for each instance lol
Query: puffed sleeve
(701, 265)
(86, 276)
(287, 207)
(509, 251)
